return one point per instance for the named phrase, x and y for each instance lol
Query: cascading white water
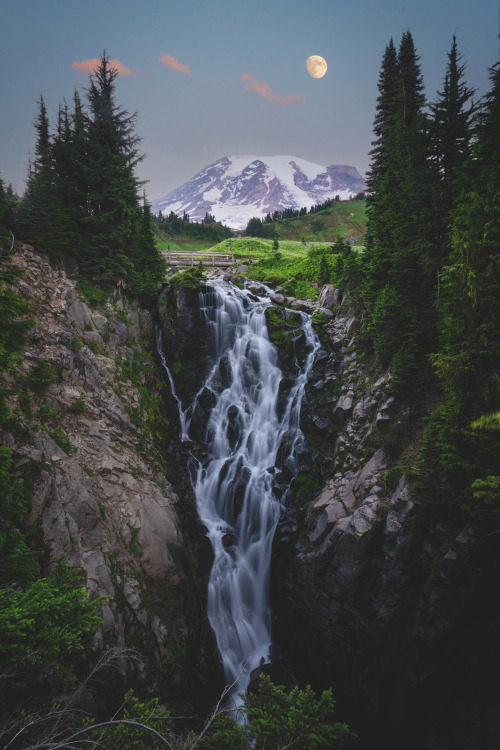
(234, 486)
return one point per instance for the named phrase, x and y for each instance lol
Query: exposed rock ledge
(104, 504)
(381, 598)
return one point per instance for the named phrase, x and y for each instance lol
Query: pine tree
(451, 126)
(36, 215)
(379, 245)
(112, 186)
(148, 265)
(468, 360)
(451, 132)
(398, 274)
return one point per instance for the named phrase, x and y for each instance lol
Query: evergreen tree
(254, 227)
(451, 132)
(36, 216)
(399, 277)
(112, 204)
(148, 264)
(451, 126)
(468, 359)
(276, 248)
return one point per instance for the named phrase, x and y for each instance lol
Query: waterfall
(244, 438)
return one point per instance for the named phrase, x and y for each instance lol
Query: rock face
(100, 497)
(372, 593)
(236, 188)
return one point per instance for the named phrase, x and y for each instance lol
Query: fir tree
(468, 360)
(451, 133)
(36, 216)
(398, 275)
(112, 186)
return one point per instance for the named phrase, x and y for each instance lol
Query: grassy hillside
(347, 220)
(182, 242)
(301, 268)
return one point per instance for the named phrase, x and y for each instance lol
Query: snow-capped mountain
(236, 188)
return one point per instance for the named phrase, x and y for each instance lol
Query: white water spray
(234, 486)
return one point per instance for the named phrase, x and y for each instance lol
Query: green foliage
(399, 270)
(76, 343)
(59, 436)
(13, 307)
(462, 442)
(41, 376)
(92, 294)
(45, 412)
(278, 719)
(203, 234)
(487, 422)
(193, 278)
(134, 735)
(82, 199)
(324, 272)
(49, 622)
(296, 264)
(254, 227)
(346, 219)
(78, 406)
(18, 561)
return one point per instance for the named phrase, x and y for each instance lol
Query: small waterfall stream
(233, 487)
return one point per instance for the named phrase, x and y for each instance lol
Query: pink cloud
(170, 62)
(89, 66)
(266, 92)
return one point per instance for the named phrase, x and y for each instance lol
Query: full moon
(316, 66)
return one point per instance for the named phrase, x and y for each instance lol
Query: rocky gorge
(378, 595)
(389, 601)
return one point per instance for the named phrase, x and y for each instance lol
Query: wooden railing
(181, 258)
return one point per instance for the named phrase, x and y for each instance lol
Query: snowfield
(236, 188)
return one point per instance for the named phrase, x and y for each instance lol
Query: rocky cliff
(390, 602)
(85, 400)
(386, 600)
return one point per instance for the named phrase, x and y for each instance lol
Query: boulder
(329, 297)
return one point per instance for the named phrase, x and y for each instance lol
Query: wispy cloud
(171, 62)
(261, 87)
(89, 66)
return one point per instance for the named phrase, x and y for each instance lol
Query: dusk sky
(213, 78)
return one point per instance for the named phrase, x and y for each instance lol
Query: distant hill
(346, 219)
(236, 188)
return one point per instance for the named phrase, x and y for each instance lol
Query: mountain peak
(236, 188)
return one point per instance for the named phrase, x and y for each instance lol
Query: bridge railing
(182, 258)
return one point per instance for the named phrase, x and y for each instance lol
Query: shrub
(50, 621)
(278, 719)
(41, 376)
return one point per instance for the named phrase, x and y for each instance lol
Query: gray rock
(277, 299)
(324, 311)
(304, 306)
(342, 409)
(101, 322)
(352, 325)
(369, 474)
(329, 297)
(328, 516)
(80, 313)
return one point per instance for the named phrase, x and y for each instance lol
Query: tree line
(429, 280)
(208, 228)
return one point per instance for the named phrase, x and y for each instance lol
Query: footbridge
(181, 258)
